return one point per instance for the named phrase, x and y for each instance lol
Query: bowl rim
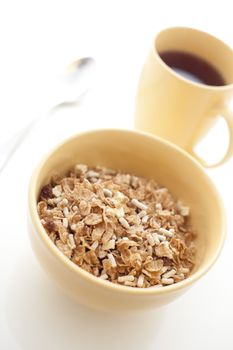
(38, 227)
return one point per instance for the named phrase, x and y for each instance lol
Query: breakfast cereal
(119, 227)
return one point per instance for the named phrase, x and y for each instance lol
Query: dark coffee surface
(192, 67)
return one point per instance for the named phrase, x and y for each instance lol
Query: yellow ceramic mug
(177, 108)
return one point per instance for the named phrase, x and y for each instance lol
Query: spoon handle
(8, 148)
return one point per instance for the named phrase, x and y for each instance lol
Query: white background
(37, 39)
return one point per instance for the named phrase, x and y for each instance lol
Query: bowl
(143, 155)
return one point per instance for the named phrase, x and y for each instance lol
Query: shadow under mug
(177, 108)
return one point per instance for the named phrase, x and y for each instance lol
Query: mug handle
(228, 116)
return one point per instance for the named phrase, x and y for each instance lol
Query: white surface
(37, 40)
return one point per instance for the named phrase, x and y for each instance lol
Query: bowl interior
(150, 157)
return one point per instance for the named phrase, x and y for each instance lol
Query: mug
(180, 109)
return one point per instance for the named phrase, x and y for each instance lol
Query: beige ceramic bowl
(143, 155)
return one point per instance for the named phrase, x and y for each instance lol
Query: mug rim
(179, 76)
(39, 229)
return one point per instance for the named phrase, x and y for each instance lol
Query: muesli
(119, 227)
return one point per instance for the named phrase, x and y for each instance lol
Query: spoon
(67, 92)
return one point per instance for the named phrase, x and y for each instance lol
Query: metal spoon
(67, 92)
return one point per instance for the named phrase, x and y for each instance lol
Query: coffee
(192, 67)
